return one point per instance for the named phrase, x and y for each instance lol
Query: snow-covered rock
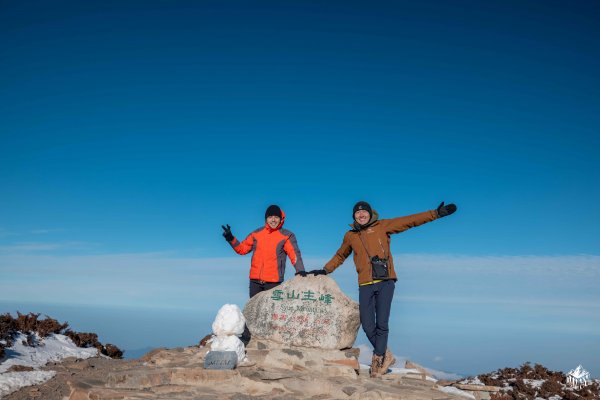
(53, 348)
(13, 381)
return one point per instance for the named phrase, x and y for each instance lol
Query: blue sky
(130, 131)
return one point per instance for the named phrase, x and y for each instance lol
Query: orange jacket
(270, 247)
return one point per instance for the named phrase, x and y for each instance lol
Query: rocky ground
(533, 382)
(269, 373)
(272, 370)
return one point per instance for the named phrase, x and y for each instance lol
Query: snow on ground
(472, 381)
(453, 390)
(536, 383)
(53, 348)
(13, 381)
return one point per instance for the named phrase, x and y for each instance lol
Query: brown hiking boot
(388, 361)
(376, 363)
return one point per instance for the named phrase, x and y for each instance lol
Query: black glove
(316, 272)
(444, 211)
(227, 233)
(301, 273)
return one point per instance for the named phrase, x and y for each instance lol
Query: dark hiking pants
(375, 303)
(259, 286)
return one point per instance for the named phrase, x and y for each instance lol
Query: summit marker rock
(307, 312)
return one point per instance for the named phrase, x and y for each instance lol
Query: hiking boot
(376, 363)
(388, 361)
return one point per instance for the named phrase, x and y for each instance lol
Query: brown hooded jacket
(375, 236)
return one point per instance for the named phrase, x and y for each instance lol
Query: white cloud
(6, 233)
(575, 264)
(557, 302)
(29, 247)
(46, 231)
(33, 271)
(157, 280)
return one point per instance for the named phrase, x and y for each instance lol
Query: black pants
(255, 288)
(375, 304)
(258, 286)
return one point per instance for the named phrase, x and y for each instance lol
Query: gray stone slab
(220, 360)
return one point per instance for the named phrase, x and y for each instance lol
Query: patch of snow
(472, 381)
(448, 376)
(405, 371)
(13, 381)
(535, 383)
(453, 390)
(229, 321)
(555, 397)
(401, 371)
(229, 343)
(53, 348)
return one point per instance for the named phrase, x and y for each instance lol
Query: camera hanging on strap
(379, 266)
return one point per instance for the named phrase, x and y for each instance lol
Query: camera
(379, 268)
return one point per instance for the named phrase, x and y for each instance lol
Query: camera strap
(379, 267)
(365, 246)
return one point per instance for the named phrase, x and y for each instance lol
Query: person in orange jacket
(270, 245)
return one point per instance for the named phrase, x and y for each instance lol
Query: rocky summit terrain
(270, 372)
(530, 382)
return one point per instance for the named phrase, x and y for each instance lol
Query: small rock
(20, 368)
(221, 360)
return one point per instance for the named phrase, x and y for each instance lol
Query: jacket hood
(267, 227)
(357, 227)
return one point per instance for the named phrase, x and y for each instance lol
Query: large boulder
(308, 312)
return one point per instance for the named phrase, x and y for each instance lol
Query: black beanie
(362, 205)
(273, 210)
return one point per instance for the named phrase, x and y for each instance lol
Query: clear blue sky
(130, 131)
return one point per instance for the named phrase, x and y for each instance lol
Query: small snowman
(228, 325)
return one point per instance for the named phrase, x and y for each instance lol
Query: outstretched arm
(340, 255)
(400, 224)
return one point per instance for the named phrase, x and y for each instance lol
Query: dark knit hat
(273, 210)
(362, 205)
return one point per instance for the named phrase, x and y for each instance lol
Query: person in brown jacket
(369, 239)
